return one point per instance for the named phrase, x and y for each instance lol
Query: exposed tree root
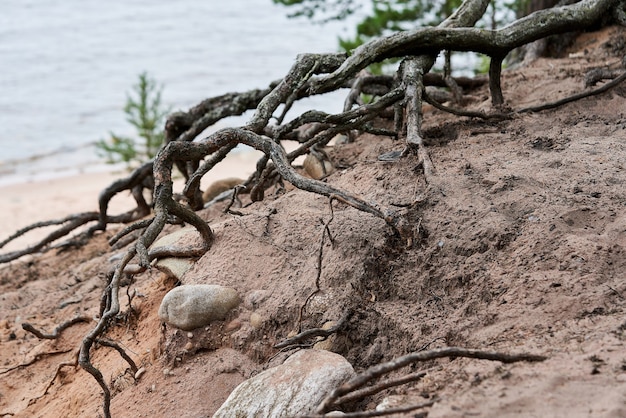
(497, 115)
(412, 77)
(315, 332)
(69, 223)
(384, 368)
(108, 343)
(57, 331)
(320, 259)
(139, 180)
(35, 359)
(337, 71)
(495, 74)
(606, 87)
(374, 389)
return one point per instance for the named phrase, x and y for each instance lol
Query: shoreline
(41, 199)
(63, 162)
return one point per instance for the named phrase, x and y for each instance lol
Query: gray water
(67, 65)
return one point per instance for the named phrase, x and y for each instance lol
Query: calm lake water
(66, 66)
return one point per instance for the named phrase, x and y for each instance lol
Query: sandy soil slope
(521, 247)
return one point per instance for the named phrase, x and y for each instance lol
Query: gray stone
(175, 237)
(192, 306)
(294, 388)
(174, 266)
(328, 342)
(317, 166)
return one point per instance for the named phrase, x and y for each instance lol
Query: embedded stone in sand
(193, 306)
(183, 234)
(317, 167)
(328, 342)
(174, 266)
(294, 388)
(218, 187)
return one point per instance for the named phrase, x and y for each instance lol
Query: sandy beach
(23, 204)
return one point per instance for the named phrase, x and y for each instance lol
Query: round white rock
(292, 389)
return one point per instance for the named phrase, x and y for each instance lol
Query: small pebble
(233, 325)
(326, 343)
(140, 373)
(256, 320)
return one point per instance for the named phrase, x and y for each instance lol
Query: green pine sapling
(144, 110)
